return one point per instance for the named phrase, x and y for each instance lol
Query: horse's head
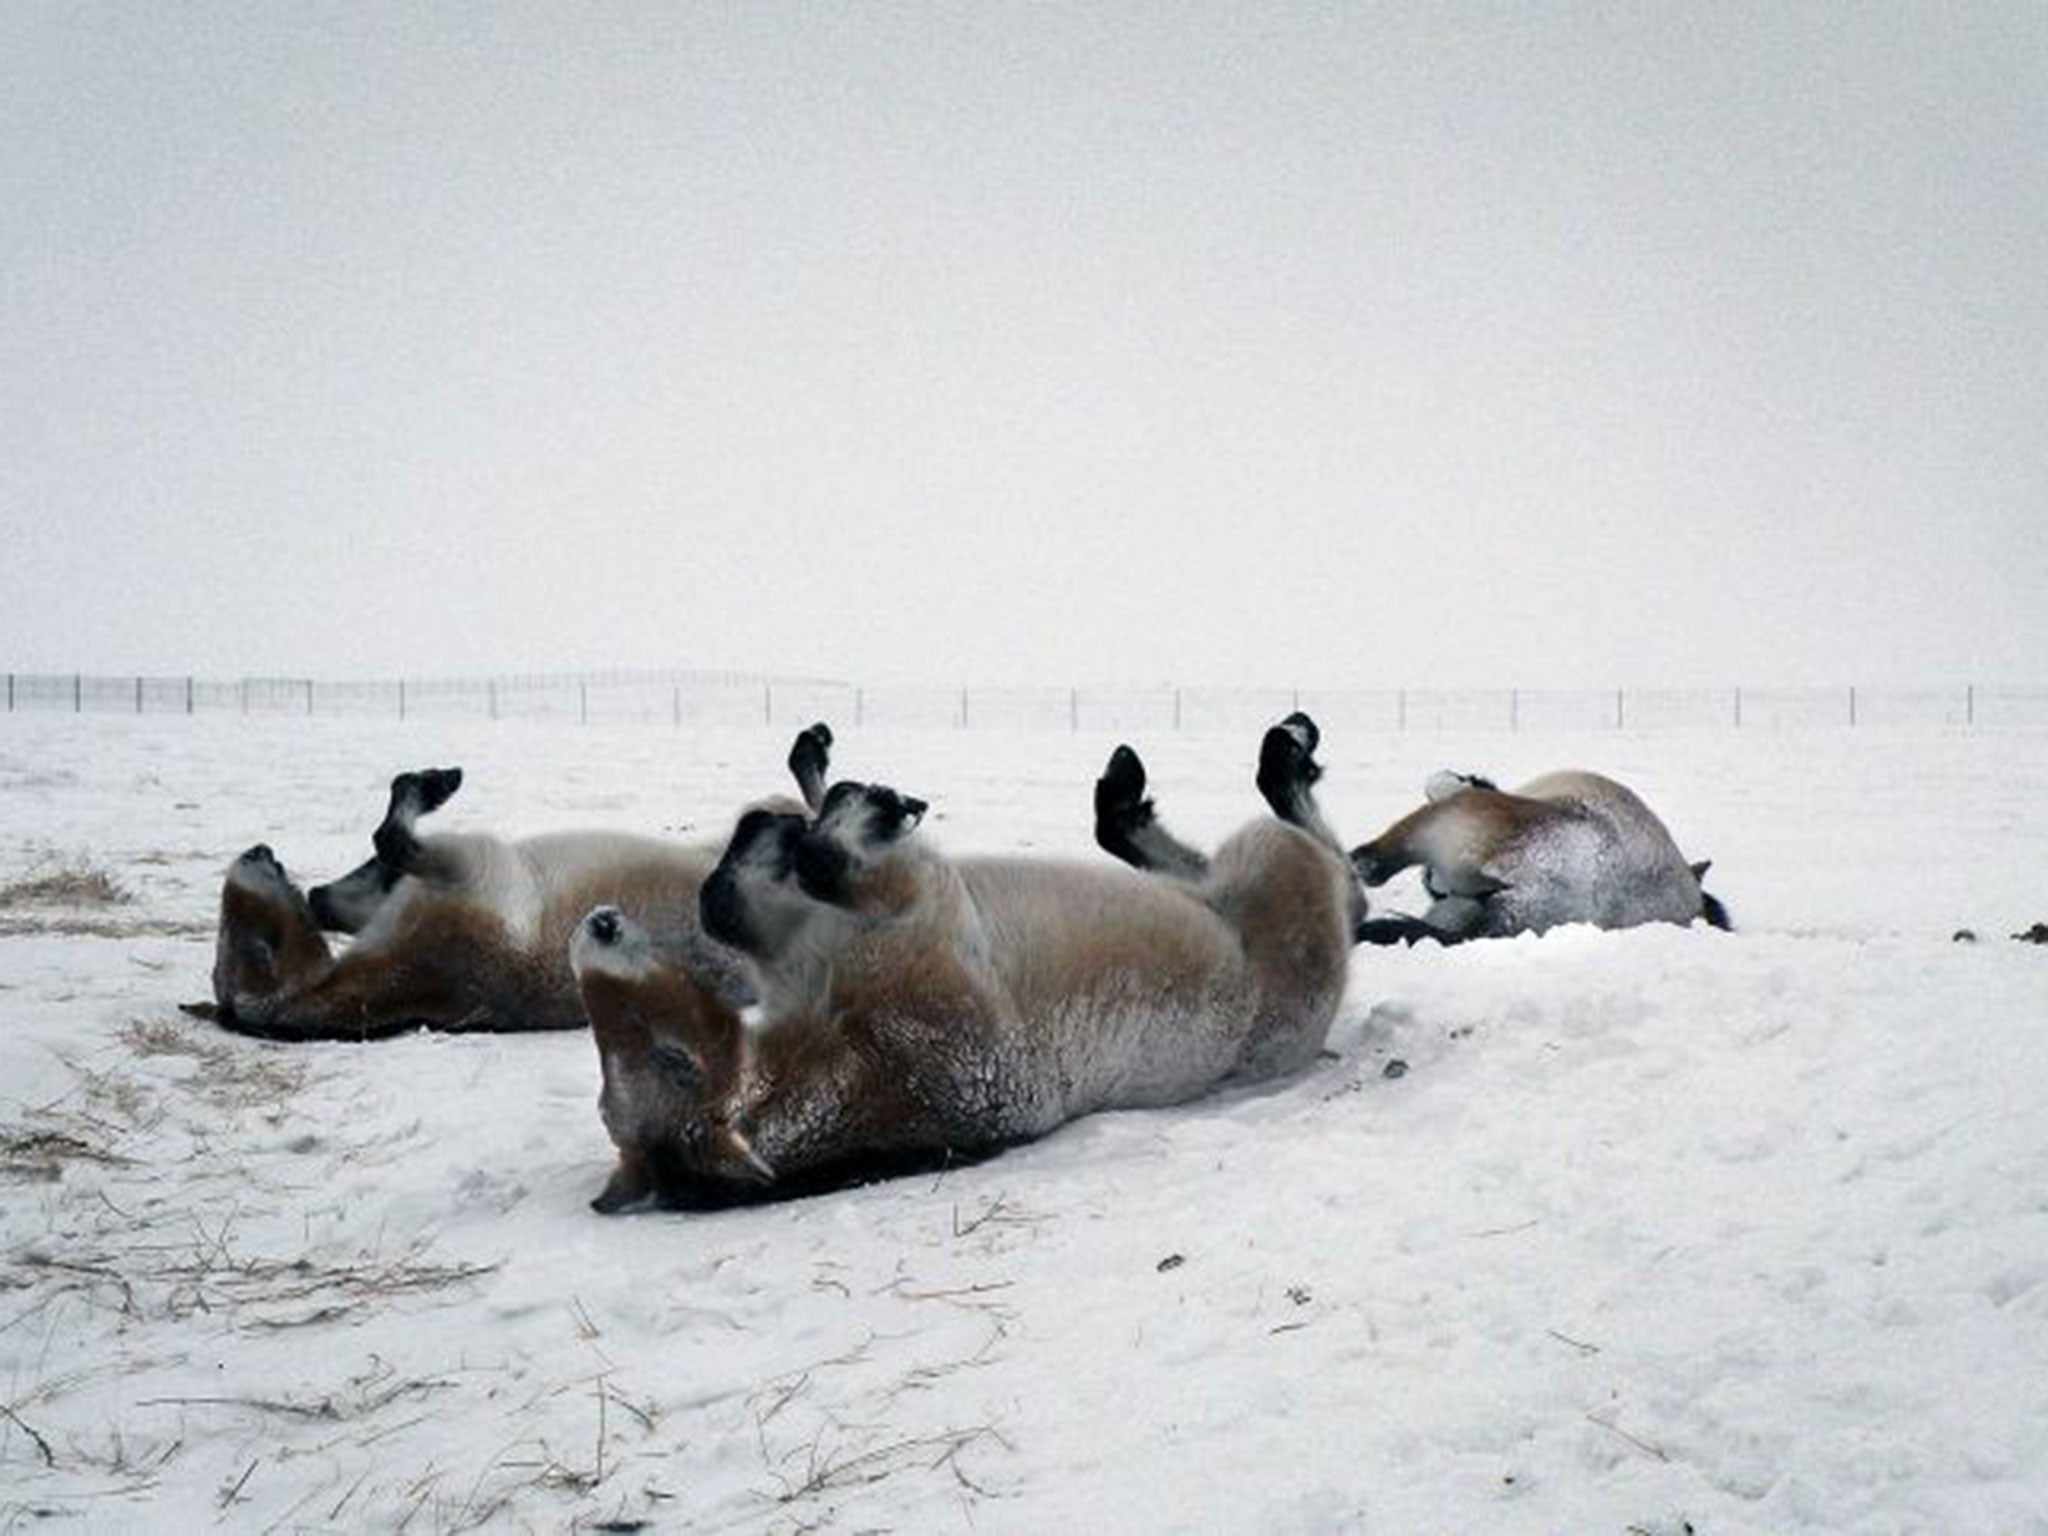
(268, 938)
(671, 1053)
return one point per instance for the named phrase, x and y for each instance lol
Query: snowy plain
(1658, 1232)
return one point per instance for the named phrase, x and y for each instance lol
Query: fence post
(10, 693)
(1738, 706)
(1074, 709)
(767, 703)
(138, 695)
(1970, 704)
(401, 698)
(78, 693)
(309, 696)
(582, 701)
(188, 693)
(1852, 704)
(245, 697)
(963, 709)
(1176, 707)
(491, 697)
(675, 705)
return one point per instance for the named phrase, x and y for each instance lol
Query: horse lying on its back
(455, 931)
(928, 1007)
(1566, 848)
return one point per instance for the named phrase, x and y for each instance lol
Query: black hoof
(1286, 770)
(426, 790)
(1120, 792)
(812, 747)
(1306, 730)
(1122, 813)
(809, 757)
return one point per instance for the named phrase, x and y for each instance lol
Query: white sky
(1321, 345)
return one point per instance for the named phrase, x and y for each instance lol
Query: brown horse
(1566, 848)
(948, 1007)
(456, 931)
(1570, 847)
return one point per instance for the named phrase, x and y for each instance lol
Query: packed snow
(1660, 1231)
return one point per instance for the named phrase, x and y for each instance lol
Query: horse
(456, 931)
(1568, 847)
(947, 1008)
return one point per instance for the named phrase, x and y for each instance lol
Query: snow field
(1645, 1231)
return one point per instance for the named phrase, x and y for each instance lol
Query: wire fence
(710, 699)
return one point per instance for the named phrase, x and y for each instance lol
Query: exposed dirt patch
(55, 882)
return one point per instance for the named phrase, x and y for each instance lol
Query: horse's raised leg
(1128, 828)
(347, 905)
(809, 757)
(1287, 776)
(413, 795)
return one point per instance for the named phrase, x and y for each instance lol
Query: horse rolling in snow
(949, 1007)
(456, 931)
(1569, 847)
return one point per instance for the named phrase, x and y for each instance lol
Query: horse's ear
(1699, 870)
(207, 1011)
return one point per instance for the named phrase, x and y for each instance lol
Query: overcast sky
(1306, 344)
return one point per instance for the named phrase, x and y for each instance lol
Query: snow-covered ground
(1660, 1231)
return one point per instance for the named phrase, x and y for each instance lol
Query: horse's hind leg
(1127, 827)
(1287, 776)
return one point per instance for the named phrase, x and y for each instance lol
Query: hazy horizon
(1302, 344)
